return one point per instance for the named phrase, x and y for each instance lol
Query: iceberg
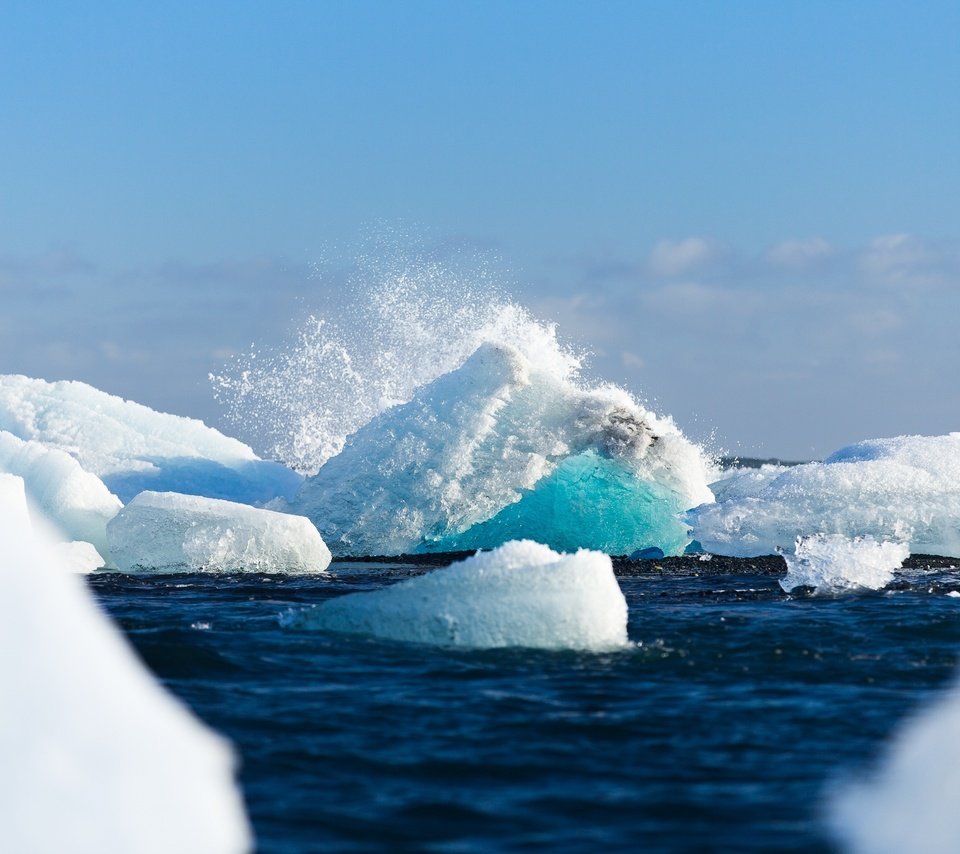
(905, 489)
(831, 563)
(520, 594)
(508, 446)
(97, 756)
(909, 802)
(74, 502)
(132, 448)
(168, 532)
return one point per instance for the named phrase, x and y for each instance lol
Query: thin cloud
(798, 254)
(906, 260)
(677, 257)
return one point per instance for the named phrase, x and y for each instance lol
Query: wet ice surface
(724, 728)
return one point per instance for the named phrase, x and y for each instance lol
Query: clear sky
(750, 211)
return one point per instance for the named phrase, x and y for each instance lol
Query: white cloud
(631, 360)
(901, 259)
(673, 257)
(877, 321)
(799, 253)
(686, 297)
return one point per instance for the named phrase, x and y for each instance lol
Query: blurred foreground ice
(96, 756)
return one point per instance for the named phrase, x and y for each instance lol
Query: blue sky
(750, 211)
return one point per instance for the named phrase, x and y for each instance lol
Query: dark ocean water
(722, 730)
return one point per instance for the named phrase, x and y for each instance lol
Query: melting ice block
(910, 802)
(508, 446)
(75, 502)
(97, 757)
(521, 594)
(168, 532)
(834, 564)
(902, 489)
(132, 447)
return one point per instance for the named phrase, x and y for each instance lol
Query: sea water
(727, 724)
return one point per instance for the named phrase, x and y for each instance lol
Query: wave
(435, 414)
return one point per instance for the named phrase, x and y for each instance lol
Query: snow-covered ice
(75, 502)
(902, 489)
(509, 446)
(96, 756)
(832, 563)
(169, 532)
(909, 803)
(132, 447)
(520, 594)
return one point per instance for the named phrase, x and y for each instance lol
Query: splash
(398, 321)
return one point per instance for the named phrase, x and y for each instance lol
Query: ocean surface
(723, 729)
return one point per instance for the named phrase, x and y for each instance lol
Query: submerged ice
(521, 594)
(505, 447)
(905, 489)
(167, 532)
(131, 447)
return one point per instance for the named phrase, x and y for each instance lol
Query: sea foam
(831, 563)
(521, 594)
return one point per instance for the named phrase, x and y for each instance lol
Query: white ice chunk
(902, 489)
(833, 564)
(910, 802)
(132, 447)
(78, 557)
(75, 502)
(509, 446)
(168, 532)
(521, 594)
(96, 757)
(745, 482)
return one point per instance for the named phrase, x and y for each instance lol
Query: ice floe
(832, 563)
(505, 447)
(902, 489)
(520, 594)
(168, 532)
(131, 447)
(97, 757)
